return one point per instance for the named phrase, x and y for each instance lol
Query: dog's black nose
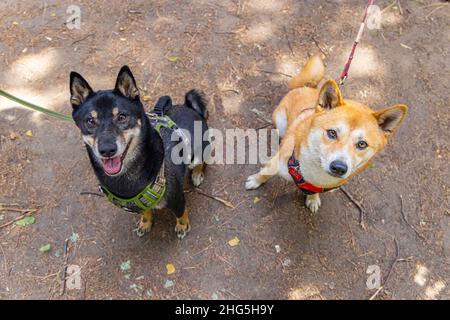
(107, 149)
(338, 168)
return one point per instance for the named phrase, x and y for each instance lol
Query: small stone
(286, 262)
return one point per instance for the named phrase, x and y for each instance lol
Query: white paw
(181, 231)
(197, 178)
(252, 182)
(313, 203)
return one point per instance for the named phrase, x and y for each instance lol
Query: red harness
(306, 187)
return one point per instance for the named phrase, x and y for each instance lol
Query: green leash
(52, 113)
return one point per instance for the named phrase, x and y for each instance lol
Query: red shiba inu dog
(326, 139)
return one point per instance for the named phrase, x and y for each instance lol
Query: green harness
(148, 198)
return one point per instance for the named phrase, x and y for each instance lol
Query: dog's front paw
(145, 225)
(181, 230)
(197, 178)
(313, 202)
(252, 182)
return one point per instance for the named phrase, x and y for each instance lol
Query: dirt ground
(240, 53)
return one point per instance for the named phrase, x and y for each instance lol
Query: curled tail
(311, 74)
(195, 100)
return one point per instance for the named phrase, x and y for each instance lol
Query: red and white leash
(344, 73)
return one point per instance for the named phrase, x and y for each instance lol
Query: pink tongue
(112, 165)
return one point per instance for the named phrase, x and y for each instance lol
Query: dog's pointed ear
(79, 89)
(125, 83)
(390, 118)
(330, 96)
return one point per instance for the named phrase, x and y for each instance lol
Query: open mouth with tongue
(113, 165)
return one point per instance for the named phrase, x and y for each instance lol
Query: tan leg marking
(198, 174)
(145, 225)
(182, 227)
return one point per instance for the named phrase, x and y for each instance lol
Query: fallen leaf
(125, 265)
(45, 248)
(146, 98)
(74, 237)
(170, 268)
(135, 287)
(234, 242)
(168, 284)
(25, 221)
(13, 135)
(405, 46)
(172, 58)
(256, 200)
(29, 133)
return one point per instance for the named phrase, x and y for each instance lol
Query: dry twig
(406, 220)
(225, 202)
(362, 211)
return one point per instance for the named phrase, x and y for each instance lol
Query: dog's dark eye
(361, 145)
(332, 134)
(122, 118)
(90, 123)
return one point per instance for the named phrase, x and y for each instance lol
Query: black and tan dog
(131, 153)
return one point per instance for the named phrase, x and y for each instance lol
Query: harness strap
(148, 198)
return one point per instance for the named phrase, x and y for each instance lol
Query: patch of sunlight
(432, 291)
(231, 102)
(231, 99)
(308, 292)
(258, 33)
(161, 23)
(265, 5)
(390, 18)
(50, 99)
(288, 65)
(32, 67)
(365, 63)
(420, 275)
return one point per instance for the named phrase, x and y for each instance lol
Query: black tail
(196, 101)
